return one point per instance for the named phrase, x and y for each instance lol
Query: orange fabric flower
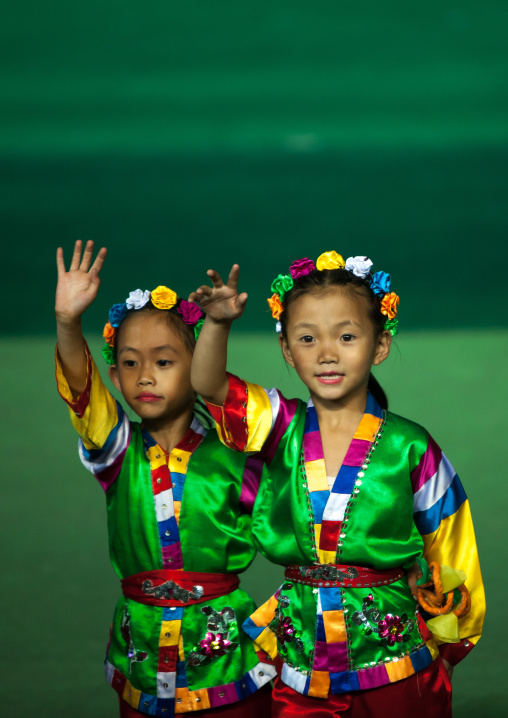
(163, 298)
(330, 260)
(390, 304)
(275, 305)
(109, 334)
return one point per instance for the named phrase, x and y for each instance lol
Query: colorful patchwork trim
(320, 683)
(329, 507)
(173, 699)
(168, 477)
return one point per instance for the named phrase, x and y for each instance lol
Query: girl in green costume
(351, 496)
(178, 508)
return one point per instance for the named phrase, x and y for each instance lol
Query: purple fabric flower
(302, 267)
(380, 283)
(391, 628)
(117, 313)
(191, 312)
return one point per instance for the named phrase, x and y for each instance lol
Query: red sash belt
(177, 588)
(332, 574)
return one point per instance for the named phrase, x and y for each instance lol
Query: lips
(331, 377)
(148, 397)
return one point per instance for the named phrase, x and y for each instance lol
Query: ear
(285, 351)
(113, 375)
(384, 343)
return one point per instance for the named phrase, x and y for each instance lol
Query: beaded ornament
(378, 282)
(161, 298)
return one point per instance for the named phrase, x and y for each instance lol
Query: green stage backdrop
(184, 135)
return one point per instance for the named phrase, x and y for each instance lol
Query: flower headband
(379, 283)
(161, 298)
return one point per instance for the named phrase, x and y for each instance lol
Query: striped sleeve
(102, 425)
(251, 418)
(443, 518)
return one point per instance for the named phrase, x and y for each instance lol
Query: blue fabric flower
(117, 313)
(380, 283)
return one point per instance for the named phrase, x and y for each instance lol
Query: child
(351, 495)
(177, 501)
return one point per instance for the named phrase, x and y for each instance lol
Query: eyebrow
(308, 325)
(164, 347)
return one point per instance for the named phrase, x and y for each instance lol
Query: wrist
(68, 323)
(224, 324)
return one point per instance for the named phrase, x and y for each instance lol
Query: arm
(75, 292)
(443, 518)
(222, 305)
(245, 414)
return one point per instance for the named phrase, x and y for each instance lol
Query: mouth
(330, 377)
(147, 396)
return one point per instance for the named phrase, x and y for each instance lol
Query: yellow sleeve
(94, 413)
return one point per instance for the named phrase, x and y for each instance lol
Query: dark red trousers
(256, 705)
(427, 694)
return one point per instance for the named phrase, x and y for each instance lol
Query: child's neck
(168, 432)
(337, 426)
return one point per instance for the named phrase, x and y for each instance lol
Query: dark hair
(184, 331)
(321, 281)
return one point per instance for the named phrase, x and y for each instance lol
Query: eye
(347, 337)
(129, 362)
(307, 339)
(164, 362)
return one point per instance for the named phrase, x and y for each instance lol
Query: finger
(99, 259)
(192, 297)
(60, 264)
(233, 277)
(87, 256)
(94, 276)
(242, 300)
(411, 579)
(76, 256)
(204, 291)
(216, 278)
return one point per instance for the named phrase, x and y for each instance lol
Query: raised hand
(77, 288)
(221, 302)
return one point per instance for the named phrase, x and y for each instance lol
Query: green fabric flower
(391, 325)
(282, 284)
(198, 327)
(108, 354)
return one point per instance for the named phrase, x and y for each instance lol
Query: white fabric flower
(359, 266)
(137, 299)
(278, 327)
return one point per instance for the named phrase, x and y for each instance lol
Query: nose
(328, 352)
(145, 375)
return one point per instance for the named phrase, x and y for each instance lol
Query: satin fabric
(194, 496)
(256, 706)
(407, 502)
(427, 694)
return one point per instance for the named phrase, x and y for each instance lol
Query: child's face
(331, 342)
(153, 368)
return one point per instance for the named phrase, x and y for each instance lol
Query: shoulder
(406, 427)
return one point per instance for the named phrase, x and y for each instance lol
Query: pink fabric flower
(285, 630)
(190, 312)
(214, 644)
(391, 628)
(302, 267)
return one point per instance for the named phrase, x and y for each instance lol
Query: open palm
(78, 287)
(221, 302)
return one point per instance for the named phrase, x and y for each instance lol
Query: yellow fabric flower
(109, 334)
(275, 305)
(330, 260)
(390, 304)
(163, 298)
